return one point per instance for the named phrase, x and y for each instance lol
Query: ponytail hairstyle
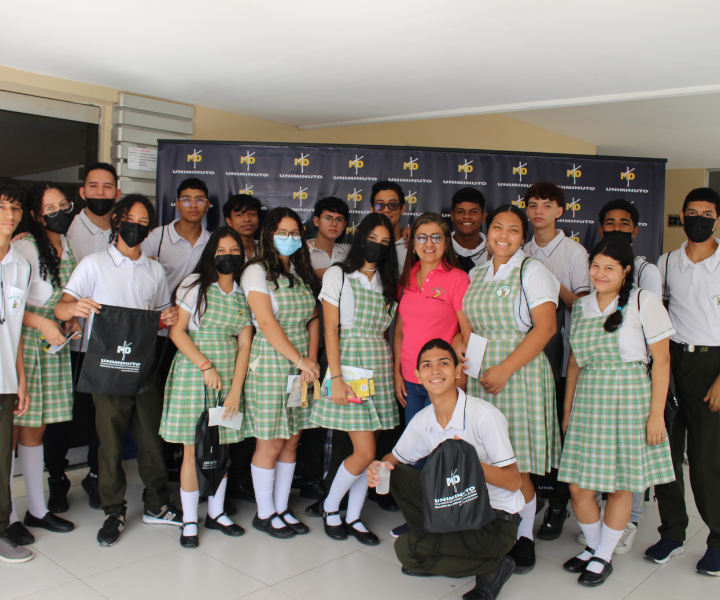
(621, 251)
(47, 255)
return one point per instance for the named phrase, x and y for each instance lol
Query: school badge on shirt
(436, 293)
(503, 292)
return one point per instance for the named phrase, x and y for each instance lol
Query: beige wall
(678, 182)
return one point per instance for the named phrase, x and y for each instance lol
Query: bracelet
(41, 322)
(210, 367)
(297, 366)
(336, 376)
(202, 365)
(163, 325)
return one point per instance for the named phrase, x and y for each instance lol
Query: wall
(678, 182)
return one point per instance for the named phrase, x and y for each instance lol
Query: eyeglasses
(391, 206)
(333, 220)
(436, 238)
(53, 212)
(283, 235)
(187, 202)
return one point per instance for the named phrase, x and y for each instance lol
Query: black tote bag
(455, 496)
(212, 459)
(121, 351)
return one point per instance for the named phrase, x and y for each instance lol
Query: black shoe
(523, 553)
(229, 507)
(488, 589)
(552, 524)
(20, 534)
(49, 522)
(109, 533)
(189, 541)
(90, 485)
(384, 501)
(266, 525)
(364, 537)
(238, 492)
(406, 571)
(233, 530)
(58, 502)
(334, 532)
(299, 528)
(313, 491)
(590, 579)
(577, 565)
(314, 510)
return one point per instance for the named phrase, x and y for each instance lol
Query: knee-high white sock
(190, 508)
(593, 533)
(13, 514)
(356, 499)
(343, 482)
(608, 540)
(527, 514)
(31, 460)
(216, 504)
(263, 482)
(284, 473)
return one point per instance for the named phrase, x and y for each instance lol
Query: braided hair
(47, 255)
(621, 251)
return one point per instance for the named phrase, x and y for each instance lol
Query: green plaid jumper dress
(528, 398)
(267, 416)
(185, 390)
(363, 346)
(49, 376)
(606, 445)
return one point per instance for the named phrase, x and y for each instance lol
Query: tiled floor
(149, 563)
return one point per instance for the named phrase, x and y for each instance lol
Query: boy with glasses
(330, 217)
(388, 198)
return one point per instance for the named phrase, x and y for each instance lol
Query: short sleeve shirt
(336, 290)
(254, 279)
(187, 299)
(40, 287)
(647, 276)
(479, 255)
(85, 238)
(320, 259)
(15, 276)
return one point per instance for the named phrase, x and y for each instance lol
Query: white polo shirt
(41, 288)
(85, 238)
(401, 250)
(478, 255)
(647, 276)
(320, 259)
(341, 295)
(694, 290)
(187, 299)
(477, 422)
(254, 279)
(15, 277)
(112, 278)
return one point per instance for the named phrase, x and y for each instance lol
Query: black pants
(694, 373)
(7, 406)
(561, 489)
(241, 454)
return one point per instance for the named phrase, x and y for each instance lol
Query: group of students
(252, 306)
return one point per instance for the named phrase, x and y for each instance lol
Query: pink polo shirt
(429, 312)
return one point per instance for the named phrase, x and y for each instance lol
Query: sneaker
(626, 541)
(90, 485)
(663, 551)
(10, 552)
(109, 533)
(710, 563)
(58, 502)
(523, 553)
(165, 515)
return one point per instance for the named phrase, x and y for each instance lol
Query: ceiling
(315, 63)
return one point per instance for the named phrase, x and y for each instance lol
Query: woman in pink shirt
(432, 287)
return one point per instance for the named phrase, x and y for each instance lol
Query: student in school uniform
(468, 214)
(691, 276)
(213, 335)
(359, 299)
(567, 260)
(123, 276)
(49, 376)
(615, 438)
(330, 217)
(388, 198)
(15, 276)
(511, 301)
(242, 213)
(281, 289)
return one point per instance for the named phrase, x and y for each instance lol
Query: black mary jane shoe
(590, 579)
(50, 522)
(189, 541)
(298, 527)
(232, 530)
(364, 537)
(266, 525)
(577, 565)
(334, 532)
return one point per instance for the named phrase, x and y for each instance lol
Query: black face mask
(133, 234)
(621, 235)
(699, 229)
(228, 263)
(372, 251)
(60, 223)
(99, 206)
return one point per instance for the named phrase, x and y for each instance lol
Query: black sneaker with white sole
(165, 515)
(109, 533)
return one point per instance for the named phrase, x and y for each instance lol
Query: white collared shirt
(401, 250)
(320, 259)
(177, 256)
(341, 295)
(254, 279)
(41, 288)
(477, 422)
(648, 325)
(647, 276)
(85, 238)
(694, 290)
(15, 273)
(538, 283)
(187, 299)
(112, 278)
(478, 255)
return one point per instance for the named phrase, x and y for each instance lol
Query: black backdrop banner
(296, 176)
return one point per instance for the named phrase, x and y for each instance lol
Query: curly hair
(47, 255)
(123, 207)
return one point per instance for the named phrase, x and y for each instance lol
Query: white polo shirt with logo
(15, 277)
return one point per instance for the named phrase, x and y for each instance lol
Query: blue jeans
(417, 399)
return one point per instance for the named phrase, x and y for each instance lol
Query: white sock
(527, 514)
(343, 482)
(190, 505)
(284, 473)
(216, 504)
(31, 460)
(263, 482)
(608, 540)
(13, 514)
(593, 533)
(356, 499)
